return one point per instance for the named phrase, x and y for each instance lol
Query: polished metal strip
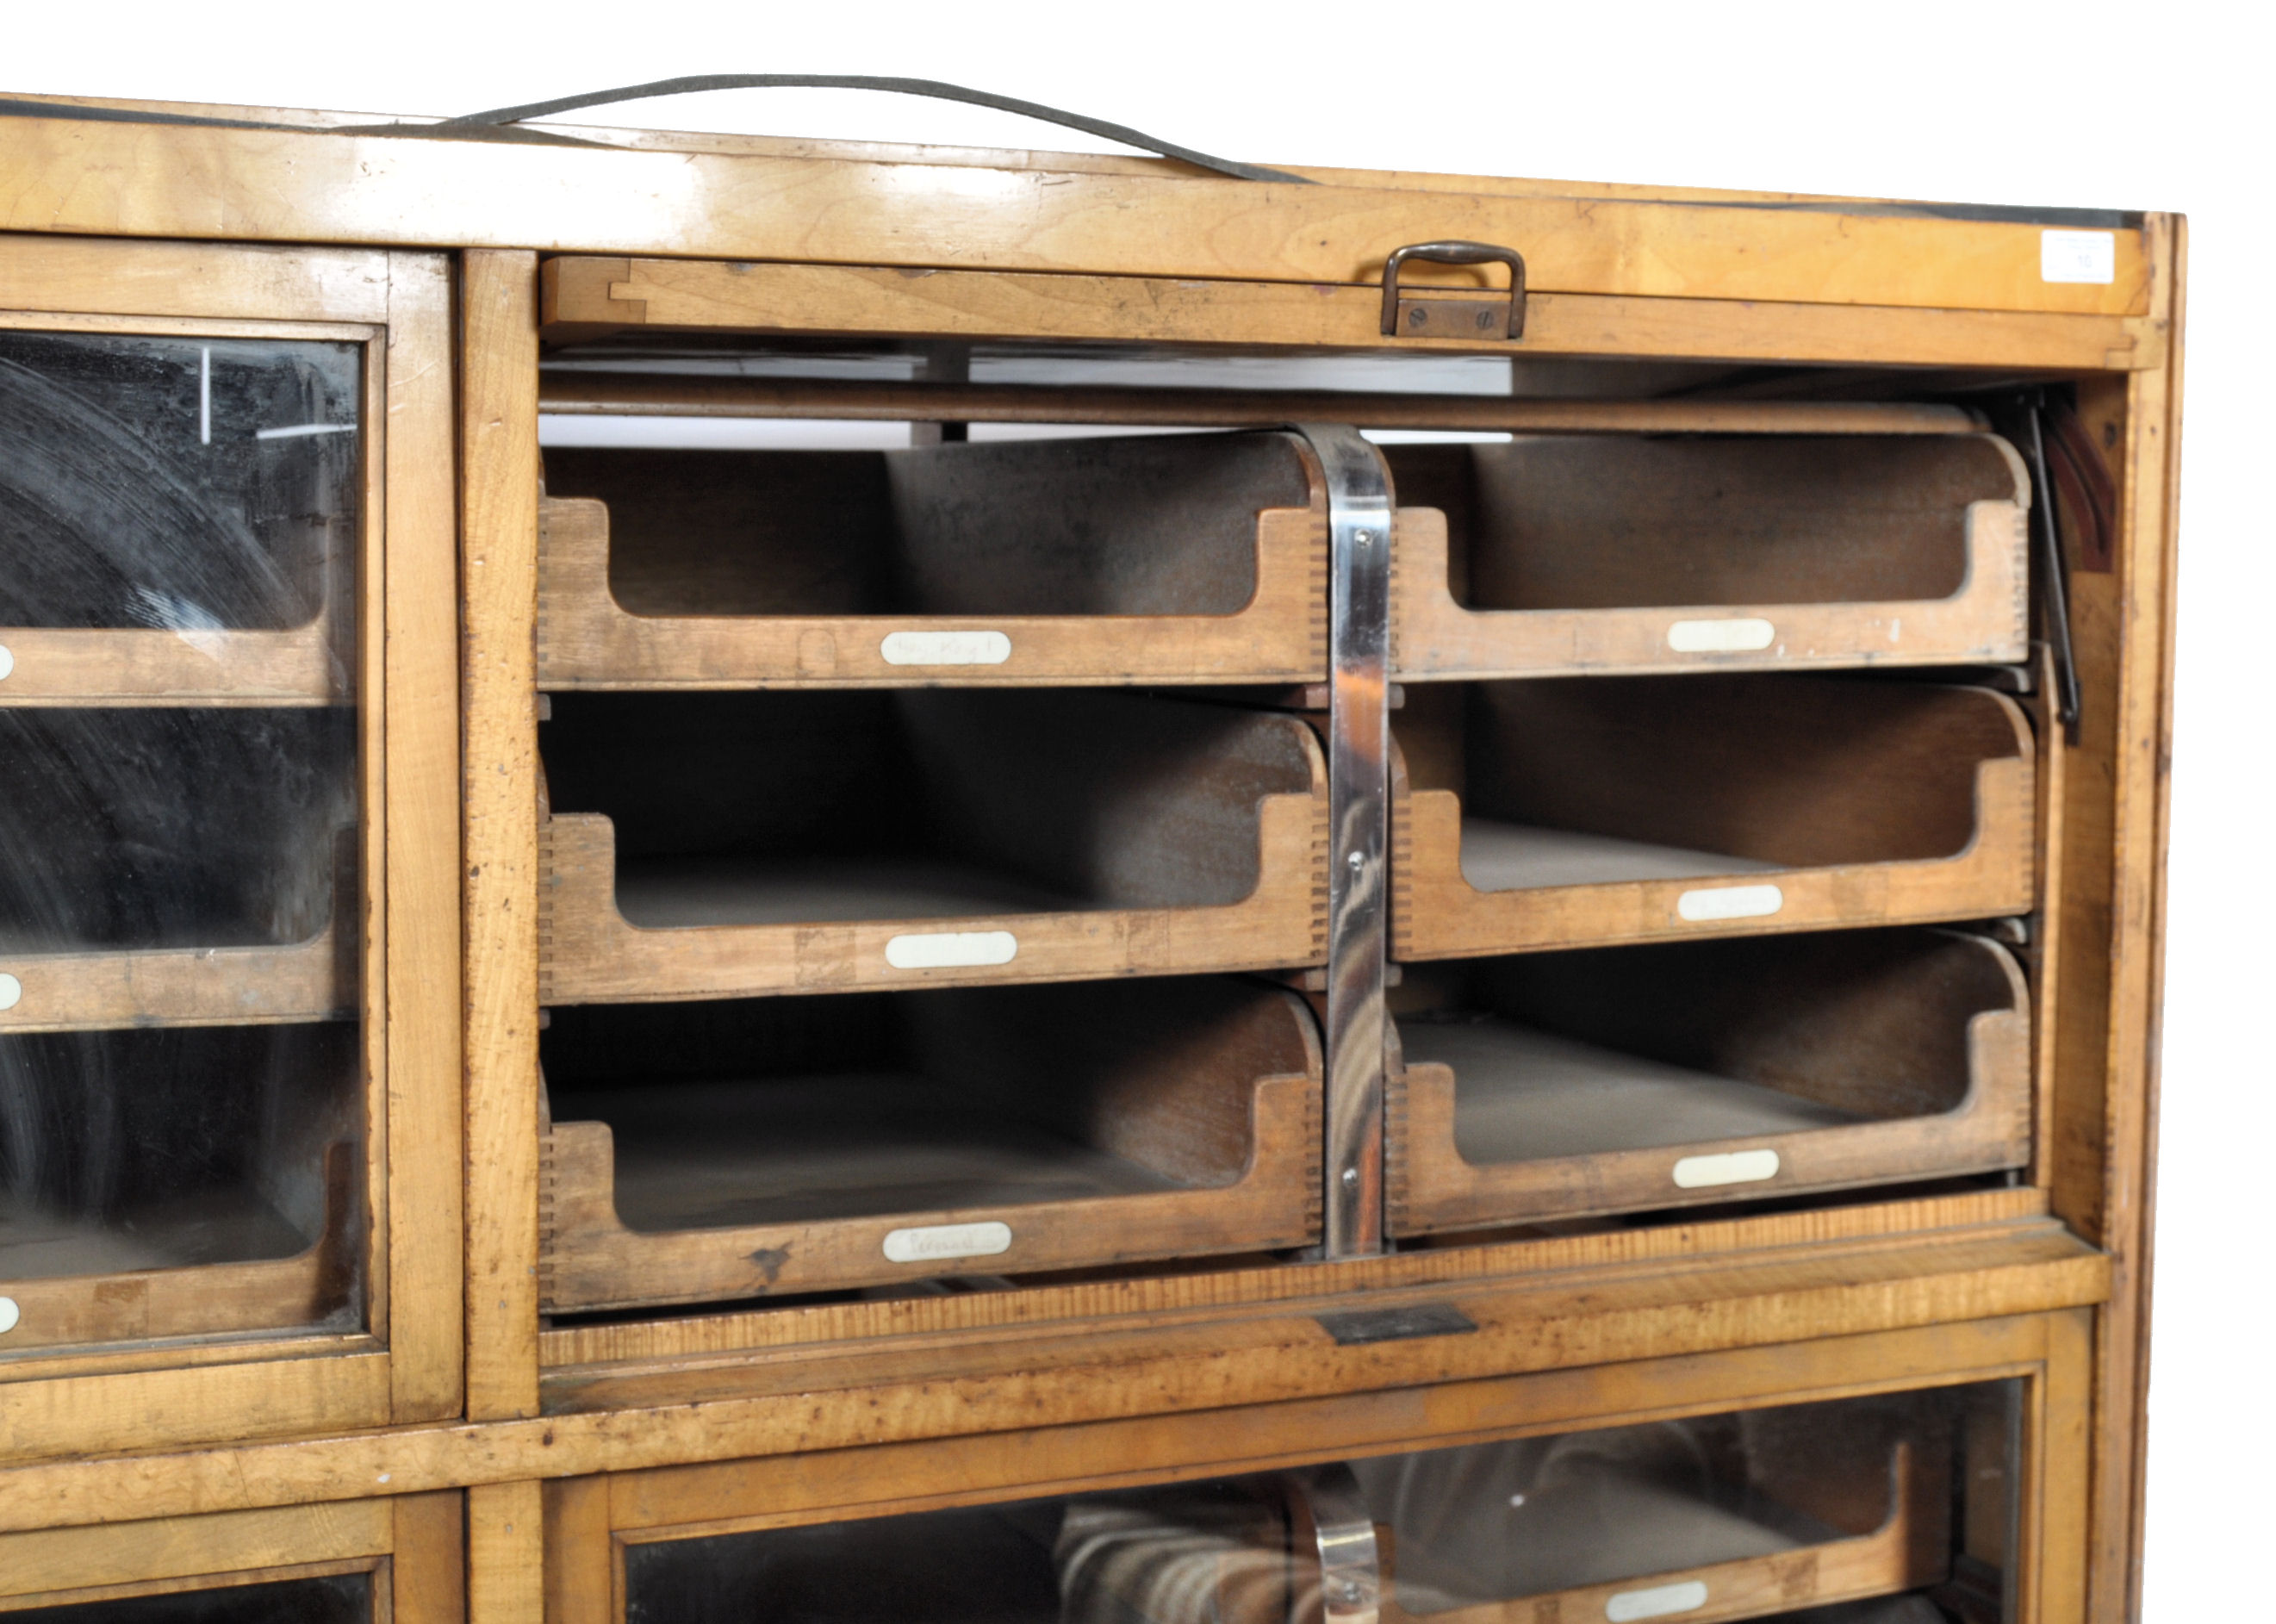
(1359, 737)
(1328, 1507)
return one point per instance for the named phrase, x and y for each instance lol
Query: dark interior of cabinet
(782, 808)
(1642, 1047)
(1163, 525)
(334, 1599)
(798, 1110)
(168, 1146)
(173, 827)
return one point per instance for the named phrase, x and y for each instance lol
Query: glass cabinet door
(183, 1119)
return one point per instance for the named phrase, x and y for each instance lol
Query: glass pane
(1202, 1552)
(183, 483)
(341, 1598)
(180, 897)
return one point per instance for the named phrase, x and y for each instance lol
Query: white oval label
(945, 648)
(2078, 256)
(1734, 636)
(944, 950)
(7, 663)
(939, 1240)
(12, 991)
(1729, 902)
(1700, 1172)
(9, 1315)
(1623, 1607)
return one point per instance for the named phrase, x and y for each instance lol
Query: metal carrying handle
(1455, 252)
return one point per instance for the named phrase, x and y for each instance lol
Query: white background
(2089, 105)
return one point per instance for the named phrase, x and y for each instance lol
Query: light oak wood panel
(1572, 1084)
(1603, 554)
(304, 1387)
(411, 675)
(60, 666)
(505, 1554)
(1905, 1552)
(1091, 1124)
(225, 1547)
(1559, 813)
(179, 181)
(1143, 836)
(587, 299)
(43, 276)
(498, 514)
(573, 1354)
(1602, 1329)
(1155, 560)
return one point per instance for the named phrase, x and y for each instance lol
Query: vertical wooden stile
(498, 562)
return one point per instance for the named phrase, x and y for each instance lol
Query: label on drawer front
(942, 1241)
(9, 1315)
(12, 991)
(7, 663)
(1715, 902)
(1740, 634)
(945, 648)
(1700, 1172)
(945, 950)
(1659, 1602)
(2078, 256)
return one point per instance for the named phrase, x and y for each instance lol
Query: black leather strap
(502, 122)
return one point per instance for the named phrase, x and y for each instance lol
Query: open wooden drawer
(1621, 1080)
(784, 1145)
(181, 519)
(1569, 553)
(1721, 1517)
(714, 846)
(178, 865)
(1554, 813)
(1169, 558)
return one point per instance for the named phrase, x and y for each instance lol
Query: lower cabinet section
(385, 1561)
(1664, 1490)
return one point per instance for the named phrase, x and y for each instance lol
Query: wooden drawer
(780, 1146)
(377, 1561)
(716, 846)
(1624, 1080)
(1567, 553)
(1557, 813)
(1175, 558)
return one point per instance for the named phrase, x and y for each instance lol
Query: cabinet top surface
(116, 168)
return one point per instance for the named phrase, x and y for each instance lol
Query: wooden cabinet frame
(673, 233)
(406, 1364)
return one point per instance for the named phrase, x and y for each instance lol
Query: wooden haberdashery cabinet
(749, 879)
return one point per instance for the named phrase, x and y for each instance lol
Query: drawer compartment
(783, 1145)
(1161, 558)
(177, 867)
(1556, 812)
(1722, 1517)
(162, 1183)
(716, 846)
(1623, 1079)
(178, 519)
(1570, 553)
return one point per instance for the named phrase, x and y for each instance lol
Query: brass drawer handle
(1453, 318)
